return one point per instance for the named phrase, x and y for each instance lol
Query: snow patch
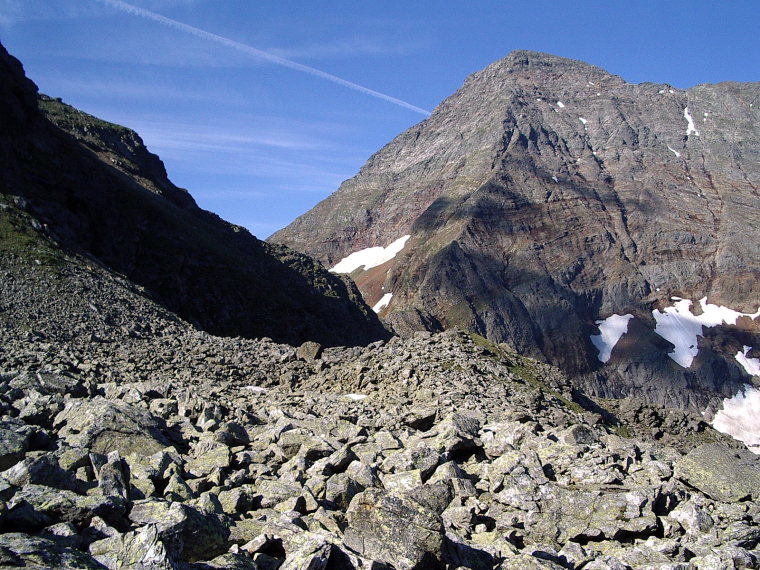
(370, 257)
(560, 104)
(355, 397)
(555, 178)
(740, 417)
(256, 389)
(674, 151)
(751, 365)
(611, 330)
(383, 302)
(582, 120)
(681, 327)
(690, 128)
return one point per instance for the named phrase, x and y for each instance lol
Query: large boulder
(13, 446)
(21, 550)
(189, 533)
(106, 425)
(135, 550)
(394, 530)
(723, 473)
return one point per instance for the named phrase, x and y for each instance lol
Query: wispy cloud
(183, 137)
(257, 53)
(349, 47)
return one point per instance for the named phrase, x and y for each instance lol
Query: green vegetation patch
(524, 368)
(20, 240)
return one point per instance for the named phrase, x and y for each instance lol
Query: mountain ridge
(93, 189)
(547, 194)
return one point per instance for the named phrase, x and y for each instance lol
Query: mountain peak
(547, 194)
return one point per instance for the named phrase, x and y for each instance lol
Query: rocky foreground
(145, 443)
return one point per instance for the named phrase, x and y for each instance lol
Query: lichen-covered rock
(22, 550)
(39, 470)
(104, 426)
(13, 446)
(60, 504)
(135, 550)
(723, 473)
(187, 532)
(394, 530)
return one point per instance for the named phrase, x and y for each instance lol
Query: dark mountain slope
(94, 189)
(546, 194)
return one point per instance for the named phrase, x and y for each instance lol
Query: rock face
(546, 194)
(75, 184)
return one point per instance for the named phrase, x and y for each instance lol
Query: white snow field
(740, 418)
(681, 327)
(383, 302)
(370, 257)
(610, 331)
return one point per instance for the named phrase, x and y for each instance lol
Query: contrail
(256, 53)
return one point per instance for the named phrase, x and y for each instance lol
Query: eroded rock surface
(547, 194)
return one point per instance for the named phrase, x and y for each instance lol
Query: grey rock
(309, 351)
(136, 550)
(60, 504)
(18, 549)
(13, 446)
(423, 458)
(230, 561)
(390, 529)
(188, 533)
(113, 476)
(103, 426)
(723, 473)
(456, 434)
(41, 470)
(47, 383)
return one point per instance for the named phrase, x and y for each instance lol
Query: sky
(262, 108)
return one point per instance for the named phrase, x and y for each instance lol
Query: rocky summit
(553, 206)
(133, 439)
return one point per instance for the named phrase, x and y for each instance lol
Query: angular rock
(13, 446)
(723, 473)
(60, 504)
(390, 529)
(22, 550)
(309, 351)
(41, 470)
(113, 476)
(456, 434)
(136, 550)
(187, 532)
(104, 426)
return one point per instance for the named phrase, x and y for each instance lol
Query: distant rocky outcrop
(547, 194)
(84, 191)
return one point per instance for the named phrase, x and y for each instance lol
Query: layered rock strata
(547, 195)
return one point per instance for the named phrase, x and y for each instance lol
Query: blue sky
(259, 141)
